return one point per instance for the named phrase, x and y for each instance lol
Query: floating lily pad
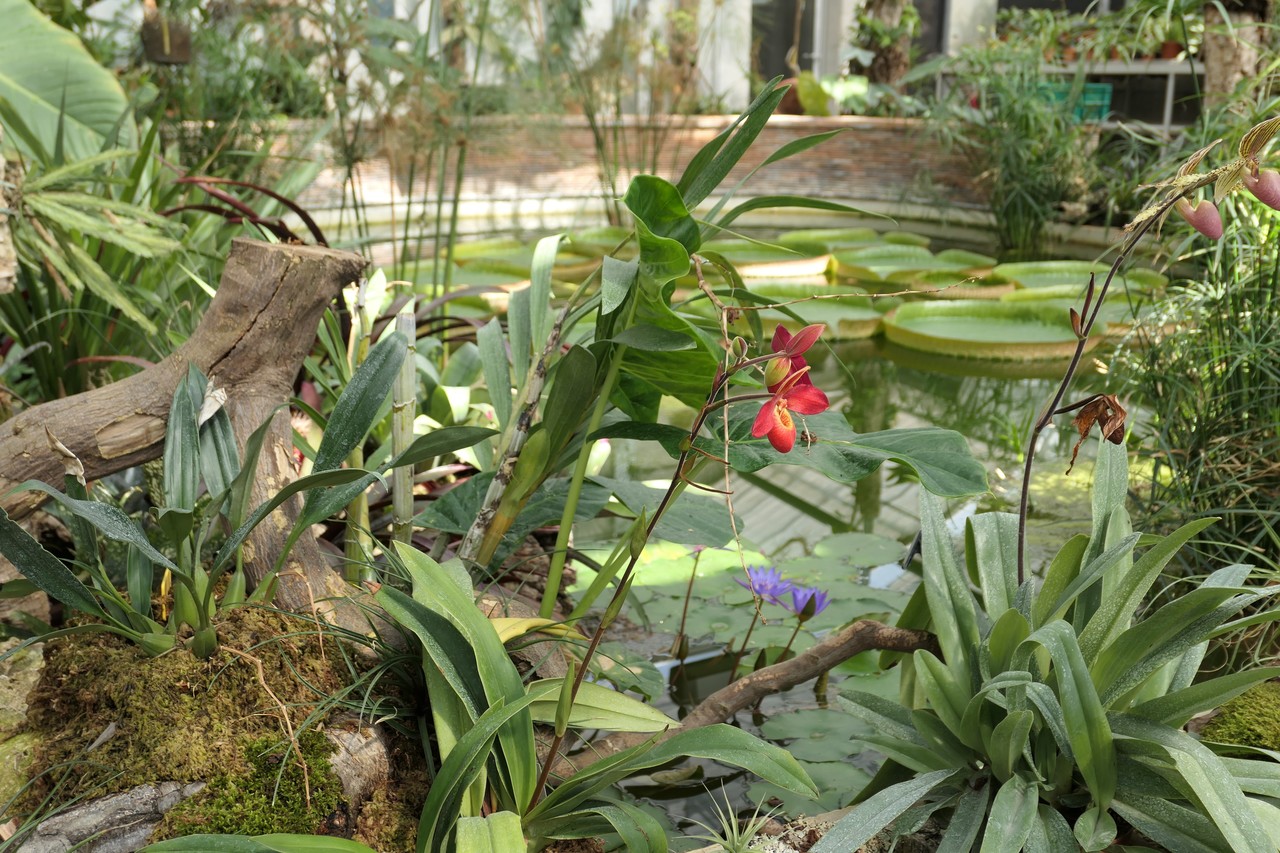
(847, 312)
(761, 260)
(1042, 274)
(992, 330)
(905, 238)
(838, 783)
(874, 264)
(833, 239)
(603, 240)
(817, 734)
(955, 284)
(859, 549)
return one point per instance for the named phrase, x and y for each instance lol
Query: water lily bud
(777, 371)
(1265, 186)
(1203, 216)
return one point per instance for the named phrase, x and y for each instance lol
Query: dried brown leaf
(1105, 411)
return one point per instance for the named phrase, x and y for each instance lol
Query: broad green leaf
(657, 205)
(617, 278)
(520, 331)
(219, 455)
(43, 569)
(870, 817)
(1013, 810)
(991, 548)
(182, 444)
(1164, 635)
(439, 442)
(982, 328)
(1095, 829)
(544, 259)
(110, 521)
(1175, 709)
(951, 604)
(1171, 825)
(661, 259)
(653, 339)
(1052, 603)
(966, 819)
(947, 696)
(497, 372)
(1050, 833)
(50, 79)
(573, 389)
(1008, 740)
(358, 405)
(598, 707)
(499, 832)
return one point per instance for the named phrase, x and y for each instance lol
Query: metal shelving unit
(1169, 69)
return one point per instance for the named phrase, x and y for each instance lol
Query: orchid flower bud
(1203, 216)
(776, 371)
(1265, 185)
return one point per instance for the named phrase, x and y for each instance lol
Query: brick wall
(536, 173)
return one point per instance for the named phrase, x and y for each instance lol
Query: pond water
(786, 518)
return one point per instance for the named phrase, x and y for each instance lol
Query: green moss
(174, 717)
(275, 796)
(1250, 719)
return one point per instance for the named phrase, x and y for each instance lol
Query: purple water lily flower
(766, 582)
(808, 601)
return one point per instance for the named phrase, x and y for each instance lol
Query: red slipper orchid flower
(792, 395)
(790, 349)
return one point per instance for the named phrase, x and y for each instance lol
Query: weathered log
(250, 343)
(861, 636)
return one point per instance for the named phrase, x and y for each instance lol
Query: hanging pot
(164, 40)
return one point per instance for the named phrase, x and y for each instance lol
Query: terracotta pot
(1170, 49)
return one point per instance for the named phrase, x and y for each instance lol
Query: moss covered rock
(249, 722)
(1250, 719)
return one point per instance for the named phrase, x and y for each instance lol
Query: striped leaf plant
(1053, 718)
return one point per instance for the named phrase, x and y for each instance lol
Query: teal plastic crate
(1092, 104)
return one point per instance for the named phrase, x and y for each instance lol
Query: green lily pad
(874, 264)
(905, 238)
(980, 329)
(955, 284)
(838, 783)
(1041, 274)
(832, 238)
(847, 312)
(859, 549)
(762, 260)
(817, 734)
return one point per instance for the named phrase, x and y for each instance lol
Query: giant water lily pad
(993, 330)
(837, 782)
(874, 264)
(1036, 275)
(955, 284)
(833, 239)
(847, 312)
(761, 260)
(817, 734)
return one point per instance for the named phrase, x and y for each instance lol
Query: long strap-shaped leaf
(866, 820)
